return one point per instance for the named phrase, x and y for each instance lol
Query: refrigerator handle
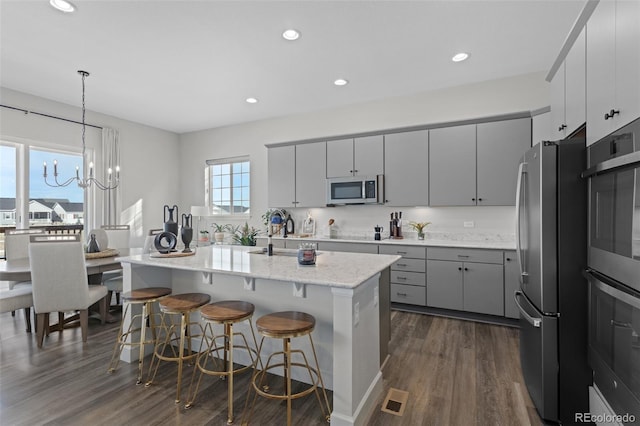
(521, 172)
(536, 322)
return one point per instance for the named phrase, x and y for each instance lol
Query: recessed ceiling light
(341, 82)
(459, 57)
(291, 35)
(62, 5)
(251, 100)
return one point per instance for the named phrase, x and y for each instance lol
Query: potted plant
(245, 235)
(419, 228)
(204, 236)
(218, 232)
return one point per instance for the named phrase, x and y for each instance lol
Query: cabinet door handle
(401, 252)
(355, 171)
(402, 278)
(508, 259)
(611, 114)
(561, 128)
(466, 269)
(459, 269)
(401, 294)
(473, 199)
(479, 199)
(402, 264)
(463, 255)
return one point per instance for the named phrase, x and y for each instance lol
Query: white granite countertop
(334, 269)
(488, 243)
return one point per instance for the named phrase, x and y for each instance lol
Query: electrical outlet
(469, 224)
(356, 313)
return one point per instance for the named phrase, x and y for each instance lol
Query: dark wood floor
(456, 373)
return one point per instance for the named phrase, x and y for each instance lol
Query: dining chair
(17, 298)
(59, 280)
(119, 236)
(16, 246)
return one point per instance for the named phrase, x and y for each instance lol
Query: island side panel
(384, 292)
(356, 368)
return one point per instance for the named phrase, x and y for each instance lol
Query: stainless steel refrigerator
(551, 234)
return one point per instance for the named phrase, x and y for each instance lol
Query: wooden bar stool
(183, 305)
(227, 313)
(285, 326)
(145, 297)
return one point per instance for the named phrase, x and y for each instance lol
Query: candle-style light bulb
(109, 171)
(117, 172)
(55, 167)
(78, 172)
(91, 169)
(45, 168)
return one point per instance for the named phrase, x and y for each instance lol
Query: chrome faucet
(280, 212)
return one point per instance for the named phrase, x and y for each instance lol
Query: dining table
(20, 270)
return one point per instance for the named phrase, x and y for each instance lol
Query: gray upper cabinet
(355, 157)
(297, 175)
(311, 163)
(477, 164)
(281, 176)
(406, 164)
(500, 146)
(613, 66)
(568, 92)
(452, 166)
(340, 158)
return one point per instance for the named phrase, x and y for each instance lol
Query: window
(228, 186)
(23, 193)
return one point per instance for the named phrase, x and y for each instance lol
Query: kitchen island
(342, 291)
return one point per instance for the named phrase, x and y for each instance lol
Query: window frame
(209, 186)
(23, 149)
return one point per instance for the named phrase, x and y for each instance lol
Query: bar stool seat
(227, 313)
(145, 297)
(286, 326)
(183, 305)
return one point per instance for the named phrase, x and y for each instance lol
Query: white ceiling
(189, 65)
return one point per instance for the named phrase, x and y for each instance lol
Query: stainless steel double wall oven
(614, 267)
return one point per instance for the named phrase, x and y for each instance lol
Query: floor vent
(395, 402)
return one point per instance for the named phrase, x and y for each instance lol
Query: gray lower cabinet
(444, 289)
(511, 284)
(469, 285)
(350, 247)
(408, 278)
(483, 288)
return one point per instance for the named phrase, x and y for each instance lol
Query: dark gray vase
(93, 245)
(187, 232)
(170, 225)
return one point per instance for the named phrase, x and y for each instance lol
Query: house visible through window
(228, 186)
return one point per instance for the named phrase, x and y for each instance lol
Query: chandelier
(85, 181)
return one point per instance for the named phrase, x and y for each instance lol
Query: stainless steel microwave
(355, 190)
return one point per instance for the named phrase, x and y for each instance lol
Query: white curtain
(111, 159)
